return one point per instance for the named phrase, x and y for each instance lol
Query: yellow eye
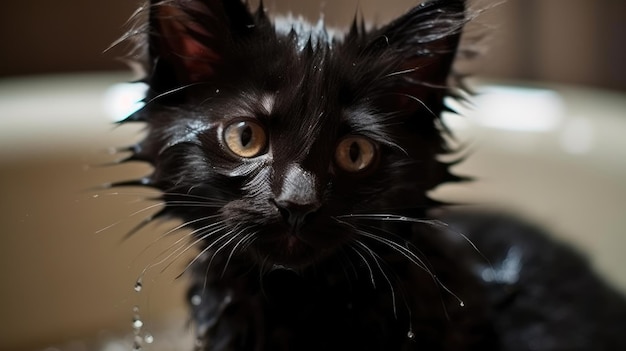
(245, 138)
(355, 153)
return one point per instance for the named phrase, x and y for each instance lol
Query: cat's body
(302, 162)
(526, 293)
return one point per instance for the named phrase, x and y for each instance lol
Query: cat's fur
(302, 162)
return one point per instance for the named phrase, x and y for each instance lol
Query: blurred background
(547, 141)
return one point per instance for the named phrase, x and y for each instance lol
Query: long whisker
(205, 234)
(232, 252)
(342, 263)
(139, 193)
(173, 91)
(367, 265)
(394, 218)
(177, 228)
(202, 252)
(145, 209)
(377, 260)
(408, 245)
(208, 268)
(215, 254)
(181, 249)
(163, 204)
(432, 222)
(201, 238)
(411, 256)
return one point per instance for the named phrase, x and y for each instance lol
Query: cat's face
(270, 143)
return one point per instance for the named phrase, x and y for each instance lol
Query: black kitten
(302, 159)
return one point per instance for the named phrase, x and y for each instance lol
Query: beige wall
(573, 41)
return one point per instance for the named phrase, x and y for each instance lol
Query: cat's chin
(289, 249)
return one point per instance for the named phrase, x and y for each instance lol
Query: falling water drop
(148, 338)
(462, 304)
(137, 346)
(138, 285)
(137, 323)
(196, 300)
(410, 335)
(199, 343)
(137, 343)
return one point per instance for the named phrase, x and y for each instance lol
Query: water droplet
(138, 286)
(137, 323)
(96, 196)
(196, 300)
(137, 343)
(462, 304)
(148, 338)
(135, 309)
(217, 91)
(199, 343)
(410, 335)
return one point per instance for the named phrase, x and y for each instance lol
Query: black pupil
(246, 136)
(355, 151)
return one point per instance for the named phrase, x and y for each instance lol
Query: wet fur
(372, 269)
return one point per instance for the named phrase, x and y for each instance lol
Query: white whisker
(178, 227)
(410, 255)
(223, 246)
(367, 265)
(432, 222)
(201, 238)
(145, 209)
(377, 260)
(232, 252)
(181, 249)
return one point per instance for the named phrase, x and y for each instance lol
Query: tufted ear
(190, 40)
(421, 46)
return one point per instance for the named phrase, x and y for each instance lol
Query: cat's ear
(421, 46)
(190, 40)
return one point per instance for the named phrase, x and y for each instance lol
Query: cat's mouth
(292, 247)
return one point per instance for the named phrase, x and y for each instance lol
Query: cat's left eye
(355, 154)
(245, 138)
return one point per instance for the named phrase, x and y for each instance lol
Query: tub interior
(552, 154)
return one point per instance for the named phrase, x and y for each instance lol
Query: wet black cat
(302, 158)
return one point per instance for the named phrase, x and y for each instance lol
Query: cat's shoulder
(539, 287)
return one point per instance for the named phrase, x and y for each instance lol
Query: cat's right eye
(245, 138)
(355, 154)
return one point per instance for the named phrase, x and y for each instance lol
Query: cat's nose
(296, 214)
(297, 199)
